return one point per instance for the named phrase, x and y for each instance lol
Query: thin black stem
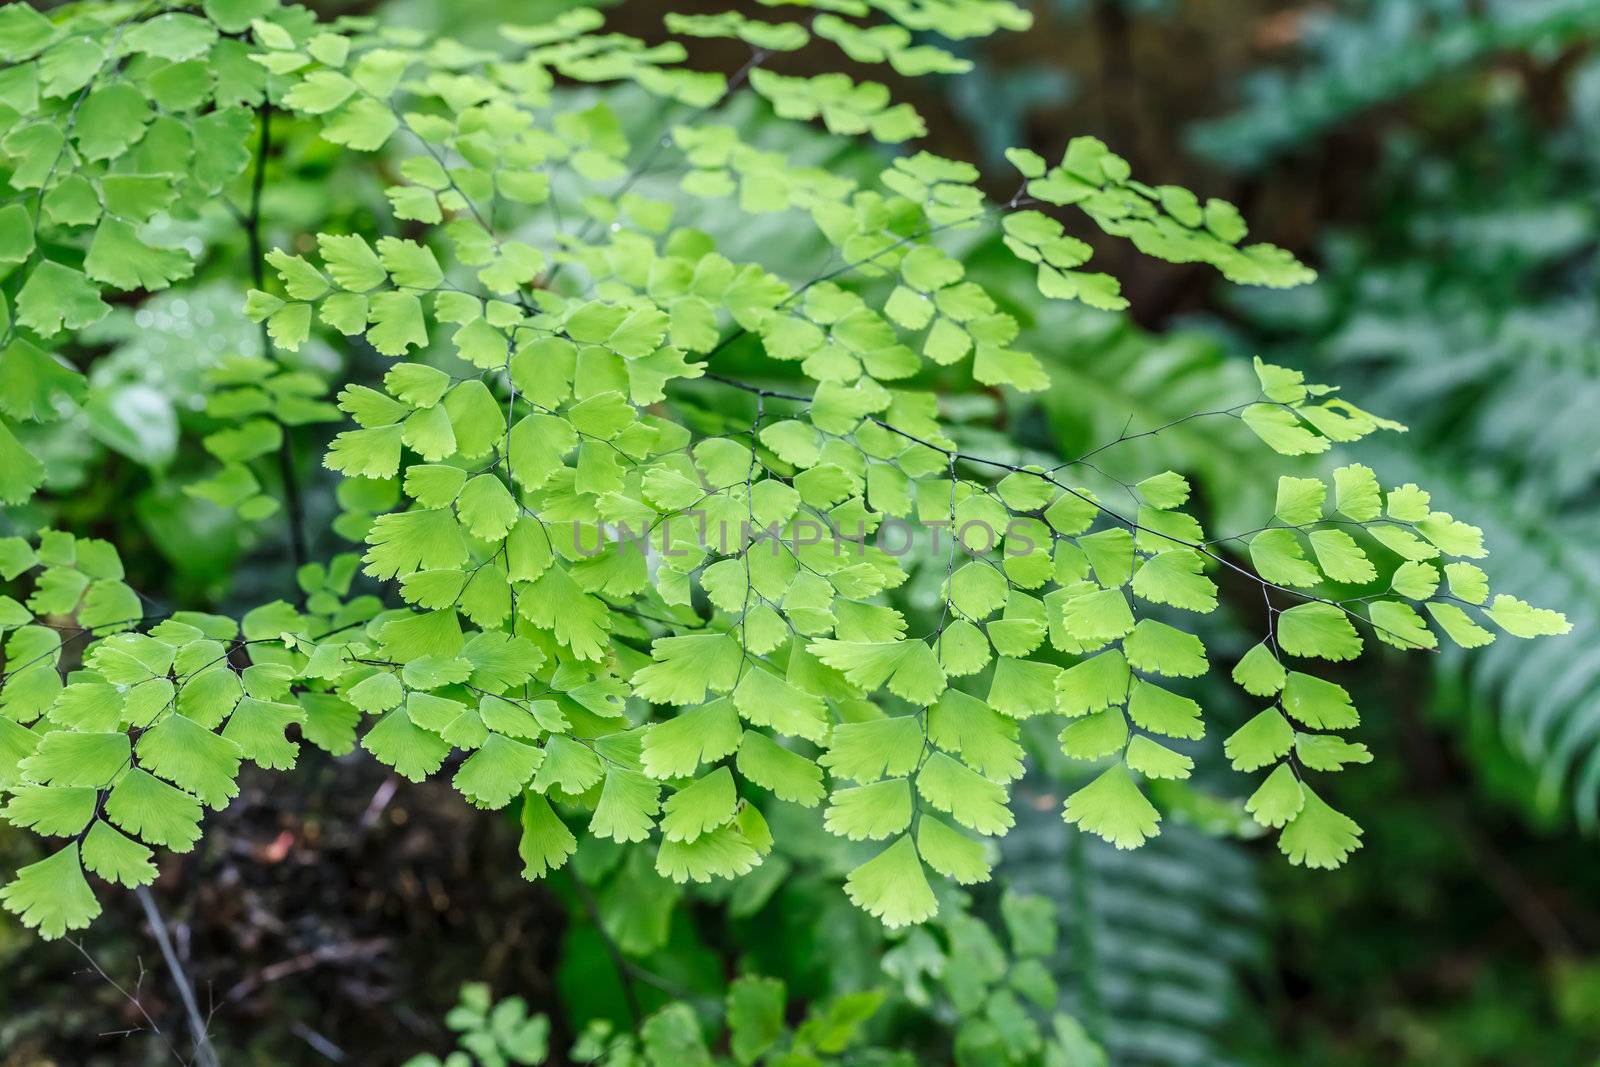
(205, 1055)
(1125, 436)
(662, 141)
(131, 998)
(618, 960)
(252, 220)
(845, 268)
(294, 507)
(1132, 525)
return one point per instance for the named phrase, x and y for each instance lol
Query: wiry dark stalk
(205, 1055)
(1131, 524)
(131, 997)
(828, 275)
(1125, 436)
(663, 140)
(624, 971)
(294, 507)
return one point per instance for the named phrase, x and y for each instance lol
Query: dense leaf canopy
(631, 504)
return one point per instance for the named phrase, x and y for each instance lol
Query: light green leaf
(398, 742)
(952, 853)
(869, 812)
(722, 853)
(1156, 647)
(1023, 688)
(397, 323)
(867, 751)
(1340, 557)
(1299, 500)
(1259, 673)
(569, 765)
(677, 746)
(377, 692)
(1458, 626)
(1175, 577)
(893, 886)
(685, 667)
(55, 296)
(408, 541)
(1110, 553)
(1164, 491)
(1095, 736)
(1282, 432)
(1112, 807)
(788, 775)
(159, 813)
(1468, 582)
(1160, 711)
(493, 775)
(52, 895)
(1319, 629)
(1407, 503)
(628, 805)
(1328, 752)
(984, 739)
(117, 857)
(193, 758)
(978, 590)
(54, 811)
(1320, 704)
(16, 233)
(909, 668)
(67, 758)
(703, 805)
(1155, 760)
(1098, 616)
(258, 728)
(369, 453)
(1356, 493)
(1399, 625)
(971, 799)
(34, 385)
(1521, 619)
(110, 120)
(546, 842)
(1265, 739)
(1319, 836)
(1279, 798)
(486, 508)
(1415, 580)
(410, 265)
(119, 258)
(1278, 558)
